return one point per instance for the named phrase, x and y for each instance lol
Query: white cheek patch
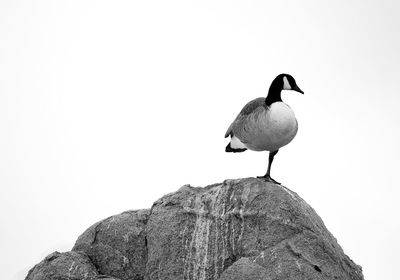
(286, 84)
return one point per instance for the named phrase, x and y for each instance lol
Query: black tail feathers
(229, 149)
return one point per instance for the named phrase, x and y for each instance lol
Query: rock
(239, 229)
(117, 245)
(105, 277)
(245, 269)
(198, 233)
(63, 266)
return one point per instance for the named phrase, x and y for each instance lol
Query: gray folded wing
(247, 110)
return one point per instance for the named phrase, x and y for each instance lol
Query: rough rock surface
(117, 245)
(197, 233)
(239, 229)
(63, 266)
(245, 269)
(104, 277)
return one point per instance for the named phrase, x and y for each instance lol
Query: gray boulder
(239, 229)
(63, 266)
(198, 233)
(117, 245)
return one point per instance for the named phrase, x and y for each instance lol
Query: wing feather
(248, 109)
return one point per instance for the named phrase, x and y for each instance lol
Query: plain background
(105, 106)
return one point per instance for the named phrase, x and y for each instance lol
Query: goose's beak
(296, 88)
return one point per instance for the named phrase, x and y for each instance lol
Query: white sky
(106, 106)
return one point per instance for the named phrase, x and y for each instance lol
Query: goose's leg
(267, 175)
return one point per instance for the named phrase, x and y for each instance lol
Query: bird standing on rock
(265, 124)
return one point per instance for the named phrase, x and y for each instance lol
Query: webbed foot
(268, 179)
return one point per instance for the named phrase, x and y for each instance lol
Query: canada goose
(265, 124)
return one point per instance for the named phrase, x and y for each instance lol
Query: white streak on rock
(70, 269)
(126, 237)
(214, 228)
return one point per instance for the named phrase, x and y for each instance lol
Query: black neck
(274, 94)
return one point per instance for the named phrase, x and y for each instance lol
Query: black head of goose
(265, 124)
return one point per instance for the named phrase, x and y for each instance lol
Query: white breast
(272, 129)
